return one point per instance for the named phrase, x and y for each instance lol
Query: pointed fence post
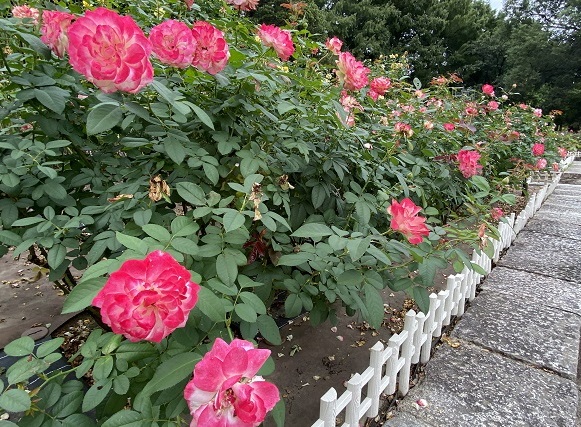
(429, 326)
(407, 352)
(374, 386)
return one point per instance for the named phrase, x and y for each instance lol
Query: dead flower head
(120, 197)
(284, 183)
(256, 197)
(158, 188)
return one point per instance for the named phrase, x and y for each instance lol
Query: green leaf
(171, 372)
(130, 242)
(254, 301)
(358, 247)
(268, 329)
(124, 418)
(158, 232)
(56, 255)
(191, 193)
(96, 394)
(374, 304)
(83, 294)
(10, 238)
(23, 222)
(278, 413)
(142, 217)
(246, 312)
(103, 367)
(313, 230)
(211, 305)
(293, 260)
(377, 254)
(427, 272)
(48, 347)
(318, 196)
(15, 400)
(100, 268)
(103, 117)
(421, 297)
(183, 226)
(186, 246)
(50, 101)
(36, 44)
(481, 183)
(174, 149)
(478, 269)
(202, 116)
(20, 347)
(121, 384)
(226, 268)
(232, 220)
(293, 305)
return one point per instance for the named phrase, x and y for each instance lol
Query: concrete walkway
(517, 363)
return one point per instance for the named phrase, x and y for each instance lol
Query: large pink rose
(468, 163)
(244, 5)
(111, 51)
(212, 53)
(538, 149)
(280, 40)
(488, 89)
(25, 11)
(334, 45)
(54, 30)
(352, 73)
(405, 219)
(173, 43)
(147, 299)
(225, 390)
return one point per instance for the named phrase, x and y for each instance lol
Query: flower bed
(200, 172)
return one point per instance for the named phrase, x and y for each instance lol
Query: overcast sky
(496, 4)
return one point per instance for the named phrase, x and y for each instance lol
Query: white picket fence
(389, 367)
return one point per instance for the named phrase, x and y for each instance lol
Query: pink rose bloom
(538, 112)
(523, 106)
(404, 129)
(556, 167)
(562, 152)
(225, 390)
(54, 30)
(428, 125)
(25, 11)
(212, 52)
(280, 40)
(488, 89)
(244, 5)
(380, 85)
(538, 149)
(468, 163)
(492, 105)
(541, 163)
(471, 110)
(147, 299)
(352, 73)
(334, 45)
(111, 51)
(449, 127)
(173, 43)
(189, 3)
(496, 213)
(373, 95)
(405, 219)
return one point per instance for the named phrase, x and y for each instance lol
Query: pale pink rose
(380, 85)
(373, 94)
(541, 163)
(523, 106)
(562, 152)
(352, 73)
(492, 105)
(334, 45)
(244, 5)
(408, 108)
(404, 129)
(54, 30)
(212, 52)
(351, 107)
(225, 390)
(428, 125)
(280, 40)
(26, 127)
(405, 219)
(538, 149)
(189, 3)
(556, 167)
(468, 163)
(147, 299)
(496, 213)
(111, 51)
(449, 127)
(538, 112)
(173, 43)
(420, 94)
(26, 12)
(488, 89)
(471, 110)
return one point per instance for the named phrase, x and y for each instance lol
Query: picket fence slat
(389, 366)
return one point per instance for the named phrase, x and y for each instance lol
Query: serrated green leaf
(269, 329)
(421, 297)
(211, 305)
(103, 117)
(20, 347)
(171, 372)
(246, 312)
(374, 304)
(191, 193)
(313, 230)
(15, 400)
(48, 347)
(157, 232)
(96, 394)
(226, 268)
(130, 242)
(83, 294)
(233, 220)
(124, 418)
(293, 305)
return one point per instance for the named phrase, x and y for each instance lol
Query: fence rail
(389, 366)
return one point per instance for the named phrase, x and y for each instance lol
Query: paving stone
(404, 419)
(535, 289)
(551, 256)
(545, 222)
(472, 387)
(502, 323)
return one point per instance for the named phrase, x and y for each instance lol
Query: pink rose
(488, 89)
(449, 127)
(403, 128)
(468, 163)
(111, 51)
(54, 30)
(405, 219)
(352, 73)
(492, 105)
(26, 12)
(496, 213)
(173, 43)
(147, 299)
(556, 167)
(471, 110)
(243, 5)
(189, 3)
(428, 125)
(541, 163)
(562, 152)
(279, 40)
(538, 149)
(537, 112)
(334, 45)
(380, 85)
(212, 52)
(225, 390)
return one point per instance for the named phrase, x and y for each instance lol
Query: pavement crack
(554, 235)
(524, 270)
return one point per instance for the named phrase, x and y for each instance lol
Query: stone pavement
(517, 363)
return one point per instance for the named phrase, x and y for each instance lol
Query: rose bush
(258, 177)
